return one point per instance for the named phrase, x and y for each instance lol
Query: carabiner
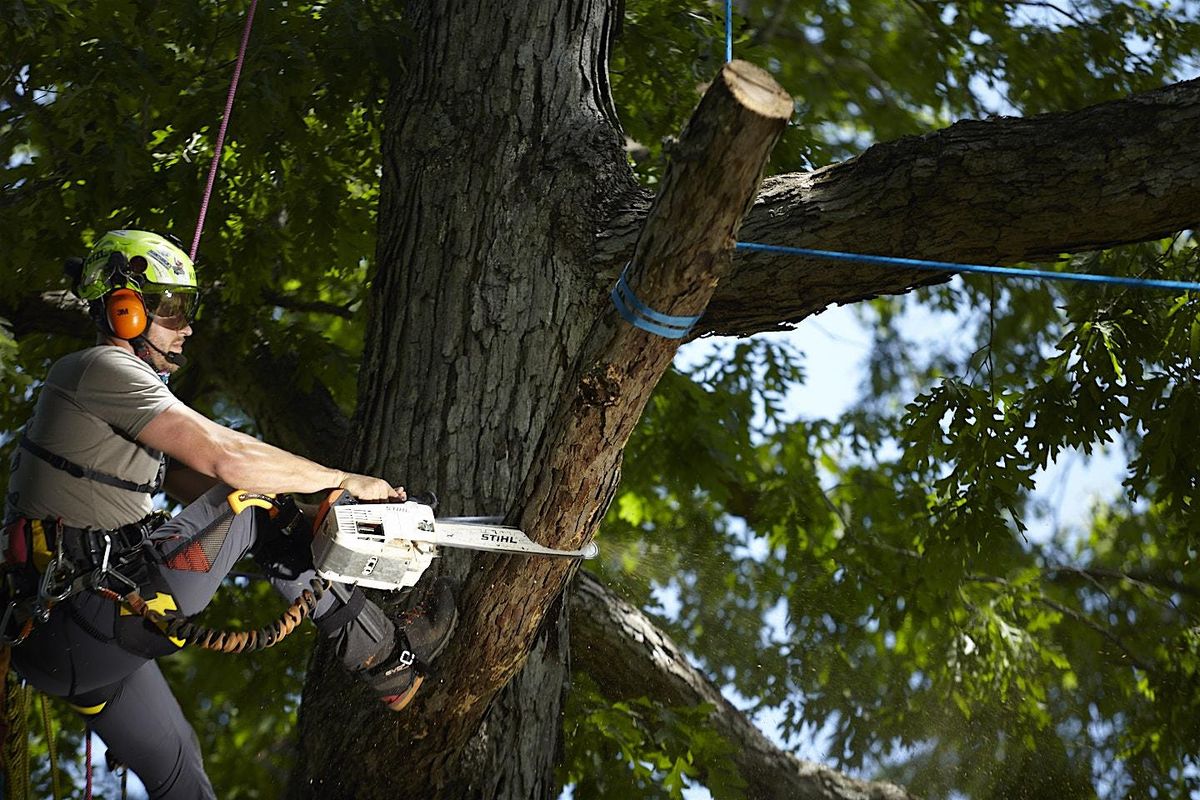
(50, 589)
(105, 570)
(102, 570)
(5, 621)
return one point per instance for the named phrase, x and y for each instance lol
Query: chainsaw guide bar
(390, 545)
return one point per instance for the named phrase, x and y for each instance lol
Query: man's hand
(364, 487)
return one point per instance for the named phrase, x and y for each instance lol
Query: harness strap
(335, 620)
(86, 546)
(87, 473)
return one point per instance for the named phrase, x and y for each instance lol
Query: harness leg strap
(361, 631)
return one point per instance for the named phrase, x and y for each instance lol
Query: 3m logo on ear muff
(125, 312)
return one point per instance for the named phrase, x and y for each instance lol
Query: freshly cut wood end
(755, 89)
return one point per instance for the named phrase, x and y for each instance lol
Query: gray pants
(102, 662)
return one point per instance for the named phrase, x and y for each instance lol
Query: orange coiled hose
(222, 641)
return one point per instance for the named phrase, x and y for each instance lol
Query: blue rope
(949, 266)
(642, 316)
(728, 30)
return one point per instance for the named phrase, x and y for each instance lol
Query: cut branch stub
(688, 236)
(684, 248)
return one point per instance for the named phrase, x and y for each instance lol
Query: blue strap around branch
(642, 316)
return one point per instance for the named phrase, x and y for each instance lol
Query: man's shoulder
(104, 368)
(111, 384)
(106, 356)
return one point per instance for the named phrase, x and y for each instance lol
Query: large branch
(629, 657)
(683, 252)
(998, 191)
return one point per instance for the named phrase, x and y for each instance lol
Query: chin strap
(141, 345)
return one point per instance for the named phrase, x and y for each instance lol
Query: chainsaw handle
(424, 498)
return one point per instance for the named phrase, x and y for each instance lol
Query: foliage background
(870, 576)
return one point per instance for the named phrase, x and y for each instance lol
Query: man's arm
(184, 484)
(246, 463)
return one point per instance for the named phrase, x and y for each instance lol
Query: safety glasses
(172, 308)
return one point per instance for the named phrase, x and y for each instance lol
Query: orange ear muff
(126, 313)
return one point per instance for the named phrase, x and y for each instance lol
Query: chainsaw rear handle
(424, 498)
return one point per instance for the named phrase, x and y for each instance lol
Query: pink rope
(87, 788)
(216, 161)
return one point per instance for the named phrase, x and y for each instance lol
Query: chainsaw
(390, 545)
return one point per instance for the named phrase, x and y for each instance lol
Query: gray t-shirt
(91, 407)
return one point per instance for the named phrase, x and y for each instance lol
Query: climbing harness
(46, 564)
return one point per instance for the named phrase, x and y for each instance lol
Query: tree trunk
(500, 159)
(497, 372)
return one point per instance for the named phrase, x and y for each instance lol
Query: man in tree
(80, 507)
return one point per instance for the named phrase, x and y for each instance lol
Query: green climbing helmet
(151, 265)
(155, 264)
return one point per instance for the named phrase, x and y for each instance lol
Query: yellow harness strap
(39, 546)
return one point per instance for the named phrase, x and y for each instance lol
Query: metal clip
(5, 622)
(105, 570)
(102, 570)
(56, 584)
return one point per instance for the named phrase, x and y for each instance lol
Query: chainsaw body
(390, 545)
